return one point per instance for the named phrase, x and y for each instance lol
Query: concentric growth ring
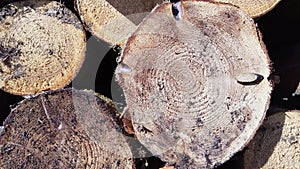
(183, 82)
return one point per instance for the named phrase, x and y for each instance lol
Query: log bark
(276, 144)
(112, 20)
(255, 8)
(185, 82)
(42, 46)
(67, 128)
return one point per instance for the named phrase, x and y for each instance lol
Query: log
(66, 128)
(276, 144)
(112, 20)
(42, 46)
(255, 8)
(185, 82)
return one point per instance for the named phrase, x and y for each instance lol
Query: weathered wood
(112, 20)
(42, 46)
(179, 77)
(67, 128)
(276, 144)
(254, 8)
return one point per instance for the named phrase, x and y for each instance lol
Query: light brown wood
(180, 82)
(67, 128)
(167, 167)
(254, 8)
(112, 20)
(42, 46)
(276, 144)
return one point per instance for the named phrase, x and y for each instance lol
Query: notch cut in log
(255, 8)
(42, 46)
(67, 128)
(112, 20)
(181, 87)
(276, 144)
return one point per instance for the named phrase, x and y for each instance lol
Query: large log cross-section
(66, 128)
(42, 46)
(196, 84)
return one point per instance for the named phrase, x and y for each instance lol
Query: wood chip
(249, 78)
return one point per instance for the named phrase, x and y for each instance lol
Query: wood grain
(67, 128)
(276, 144)
(254, 8)
(112, 20)
(179, 80)
(42, 46)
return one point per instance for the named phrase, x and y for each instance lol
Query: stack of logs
(196, 76)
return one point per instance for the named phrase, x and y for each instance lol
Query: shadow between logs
(281, 33)
(6, 102)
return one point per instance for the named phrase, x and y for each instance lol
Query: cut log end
(276, 144)
(67, 128)
(255, 8)
(186, 104)
(112, 20)
(42, 46)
